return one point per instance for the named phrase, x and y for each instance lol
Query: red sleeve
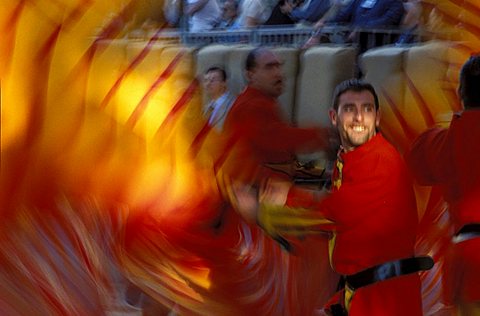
(272, 138)
(386, 186)
(298, 197)
(429, 156)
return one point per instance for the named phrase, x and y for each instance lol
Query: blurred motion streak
(109, 178)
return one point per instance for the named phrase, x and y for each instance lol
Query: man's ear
(332, 114)
(377, 118)
(224, 85)
(248, 75)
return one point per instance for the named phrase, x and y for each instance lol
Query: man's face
(267, 75)
(214, 84)
(229, 10)
(356, 118)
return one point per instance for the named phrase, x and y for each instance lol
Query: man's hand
(271, 215)
(244, 199)
(352, 37)
(320, 23)
(192, 8)
(286, 8)
(283, 220)
(275, 192)
(280, 221)
(312, 41)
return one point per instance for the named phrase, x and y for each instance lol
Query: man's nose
(279, 72)
(358, 115)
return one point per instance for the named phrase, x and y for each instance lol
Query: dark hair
(469, 87)
(356, 85)
(220, 70)
(251, 61)
(235, 3)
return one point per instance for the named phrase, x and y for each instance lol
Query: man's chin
(358, 141)
(277, 93)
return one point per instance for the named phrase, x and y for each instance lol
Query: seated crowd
(401, 16)
(209, 15)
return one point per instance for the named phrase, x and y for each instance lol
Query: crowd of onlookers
(404, 16)
(207, 15)
(338, 21)
(406, 21)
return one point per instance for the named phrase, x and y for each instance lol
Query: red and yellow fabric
(96, 158)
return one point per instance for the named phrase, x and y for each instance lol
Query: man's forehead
(352, 96)
(229, 4)
(213, 73)
(268, 57)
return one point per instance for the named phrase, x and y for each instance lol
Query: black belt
(388, 270)
(468, 229)
(467, 232)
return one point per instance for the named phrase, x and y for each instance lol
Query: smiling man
(373, 206)
(372, 213)
(355, 115)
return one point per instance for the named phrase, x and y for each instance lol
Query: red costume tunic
(376, 220)
(256, 123)
(449, 158)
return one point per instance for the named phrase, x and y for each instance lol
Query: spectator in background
(229, 15)
(413, 13)
(335, 7)
(204, 15)
(172, 9)
(255, 12)
(369, 14)
(411, 21)
(363, 14)
(278, 16)
(310, 11)
(220, 99)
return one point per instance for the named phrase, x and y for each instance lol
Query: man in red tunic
(449, 157)
(372, 211)
(255, 121)
(260, 135)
